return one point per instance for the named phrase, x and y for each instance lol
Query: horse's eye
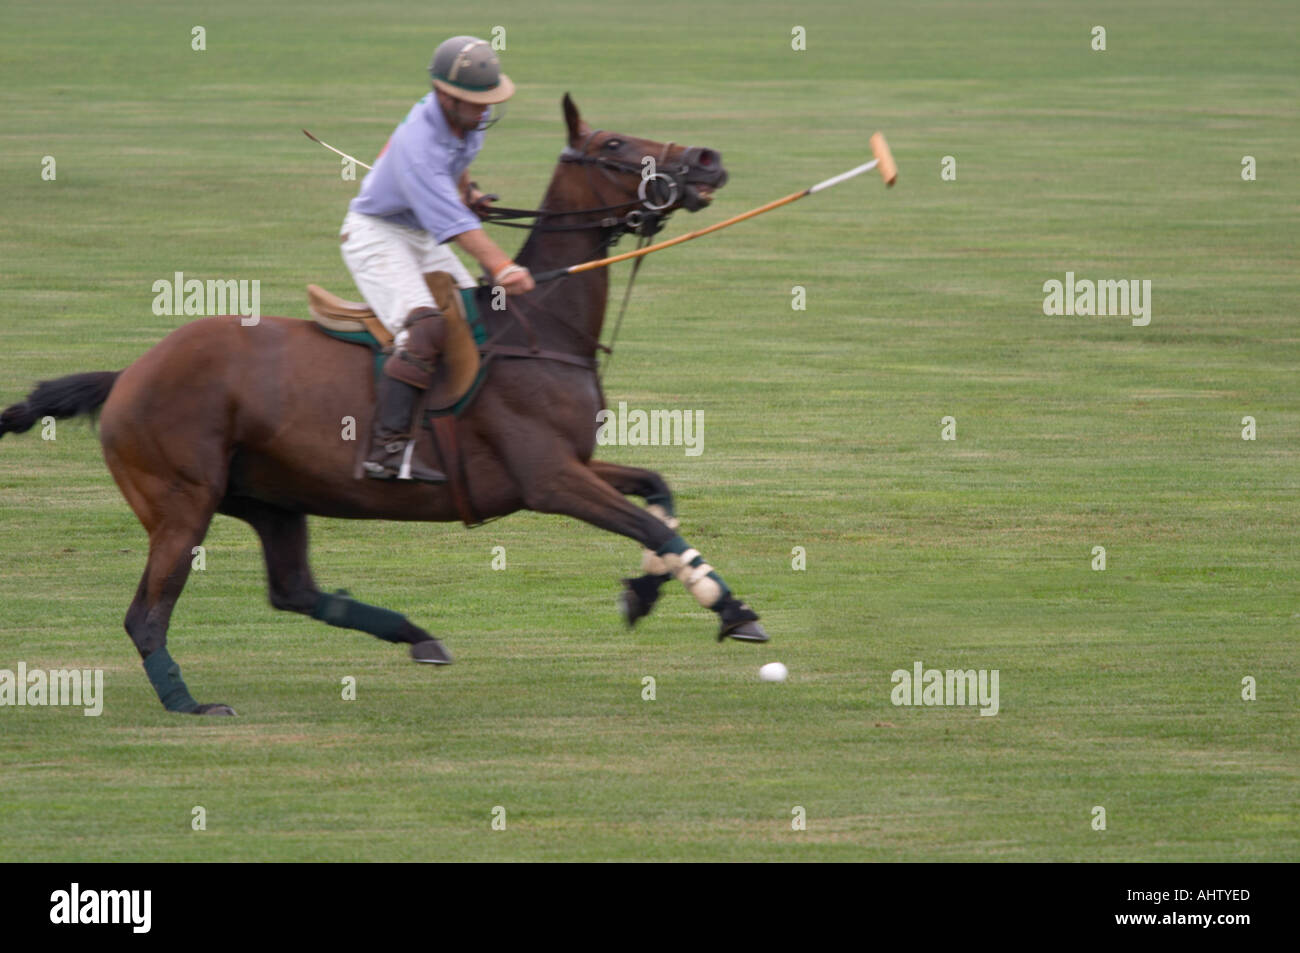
(614, 144)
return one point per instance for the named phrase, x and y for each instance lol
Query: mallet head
(885, 163)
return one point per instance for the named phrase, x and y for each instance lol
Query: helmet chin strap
(496, 112)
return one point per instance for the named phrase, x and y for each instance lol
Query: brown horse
(248, 421)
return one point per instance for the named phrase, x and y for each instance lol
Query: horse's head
(635, 174)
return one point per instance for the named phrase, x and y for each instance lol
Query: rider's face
(460, 113)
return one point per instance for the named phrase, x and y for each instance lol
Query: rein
(644, 222)
(635, 220)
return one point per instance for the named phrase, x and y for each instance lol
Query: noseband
(656, 191)
(656, 194)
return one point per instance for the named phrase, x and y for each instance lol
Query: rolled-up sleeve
(434, 199)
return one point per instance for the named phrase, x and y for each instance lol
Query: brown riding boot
(407, 374)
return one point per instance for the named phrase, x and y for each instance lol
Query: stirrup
(408, 469)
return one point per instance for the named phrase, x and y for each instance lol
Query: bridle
(656, 193)
(650, 191)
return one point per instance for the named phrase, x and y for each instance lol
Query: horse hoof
(739, 621)
(214, 708)
(431, 651)
(639, 597)
(744, 632)
(630, 606)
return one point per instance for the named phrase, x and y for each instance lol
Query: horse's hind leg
(289, 581)
(574, 489)
(176, 516)
(641, 593)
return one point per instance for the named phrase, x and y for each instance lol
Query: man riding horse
(417, 198)
(223, 418)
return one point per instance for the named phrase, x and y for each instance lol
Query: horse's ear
(578, 129)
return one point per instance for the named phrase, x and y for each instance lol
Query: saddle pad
(356, 330)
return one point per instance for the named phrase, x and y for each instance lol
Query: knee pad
(426, 333)
(414, 363)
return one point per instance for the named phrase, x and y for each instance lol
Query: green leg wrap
(677, 546)
(165, 676)
(337, 609)
(665, 500)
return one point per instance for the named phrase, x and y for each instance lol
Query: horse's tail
(66, 397)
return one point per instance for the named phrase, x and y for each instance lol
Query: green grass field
(1119, 688)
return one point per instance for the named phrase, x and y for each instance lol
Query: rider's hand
(478, 201)
(516, 279)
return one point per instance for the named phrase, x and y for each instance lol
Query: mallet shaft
(589, 265)
(883, 160)
(337, 152)
(837, 179)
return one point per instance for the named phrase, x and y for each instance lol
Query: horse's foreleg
(575, 490)
(634, 481)
(640, 594)
(289, 581)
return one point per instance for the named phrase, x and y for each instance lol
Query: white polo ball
(773, 672)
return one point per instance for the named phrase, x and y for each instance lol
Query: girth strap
(444, 428)
(444, 431)
(511, 350)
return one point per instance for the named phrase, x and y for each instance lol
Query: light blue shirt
(414, 181)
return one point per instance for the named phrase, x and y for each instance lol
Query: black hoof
(214, 708)
(740, 622)
(431, 651)
(639, 596)
(744, 632)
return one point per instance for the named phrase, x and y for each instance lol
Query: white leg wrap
(672, 522)
(650, 562)
(705, 590)
(695, 573)
(695, 578)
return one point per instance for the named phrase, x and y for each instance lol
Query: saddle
(459, 371)
(459, 361)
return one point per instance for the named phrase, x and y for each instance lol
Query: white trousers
(388, 263)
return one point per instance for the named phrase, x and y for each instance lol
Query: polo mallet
(883, 161)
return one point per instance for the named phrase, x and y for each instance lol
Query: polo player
(417, 198)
